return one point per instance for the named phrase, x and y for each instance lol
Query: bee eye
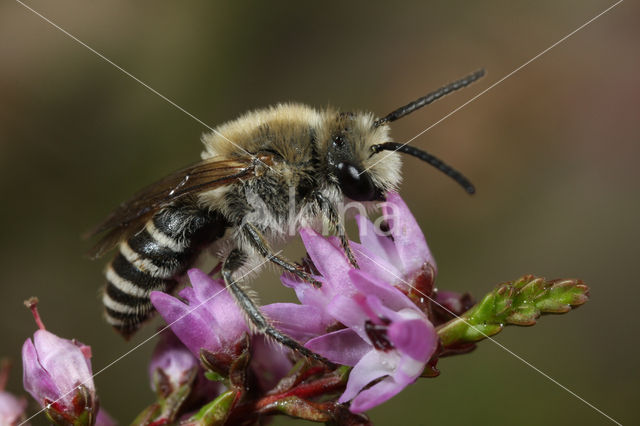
(355, 185)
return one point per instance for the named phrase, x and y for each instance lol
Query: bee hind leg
(259, 243)
(235, 261)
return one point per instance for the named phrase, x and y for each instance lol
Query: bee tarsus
(233, 263)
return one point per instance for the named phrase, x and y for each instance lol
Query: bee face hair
(347, 140)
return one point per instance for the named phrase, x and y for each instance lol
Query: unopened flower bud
(57, 373)
(172, 365)
(210, 323)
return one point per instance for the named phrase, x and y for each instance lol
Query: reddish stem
(32, 304)
(269, 404)
(311, 372)
(5, 365)
(305, 390)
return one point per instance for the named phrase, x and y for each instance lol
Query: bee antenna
(431, 97)
(425, 156)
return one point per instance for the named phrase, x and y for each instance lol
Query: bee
(320, 157)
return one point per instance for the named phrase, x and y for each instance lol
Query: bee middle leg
(260, 244)
(235, 261)
(334, 219)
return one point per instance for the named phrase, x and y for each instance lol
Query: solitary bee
(319, 157)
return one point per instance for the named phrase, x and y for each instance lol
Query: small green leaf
(214, 413)
(520, 302)
(297, 407)
(213, 376)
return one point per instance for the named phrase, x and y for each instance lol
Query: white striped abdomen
(153, 259)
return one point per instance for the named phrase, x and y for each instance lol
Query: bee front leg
(260, 244)
(334, 219)
(235, 261)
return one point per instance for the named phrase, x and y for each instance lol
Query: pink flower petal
(228, 318)
(372, 366)
(377, 394)
(379, 310)
(302, 322)
(36, 380)
(387, 272)
(379, 245)
(192, 326)
(173, 358)
(408, 371)
(348, 311)
(407, 235)
(416, 338)
(343, 347)
(64, 361)
(205, 287)
(189, 295)
(330, 260)
(306, 293)
(387, 293)
(211, 320)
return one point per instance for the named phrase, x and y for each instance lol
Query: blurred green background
(553, 151)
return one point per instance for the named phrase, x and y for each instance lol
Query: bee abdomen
(153, 259)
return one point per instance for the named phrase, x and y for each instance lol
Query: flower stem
(5, 366)
(520, 302)
(32, 304)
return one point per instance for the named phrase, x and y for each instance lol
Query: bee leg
(260, 244)
(235, 261)
(334, 219)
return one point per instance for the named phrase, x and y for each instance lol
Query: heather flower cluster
(385, 337)
(381, 324)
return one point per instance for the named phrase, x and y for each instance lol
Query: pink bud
(57, 373)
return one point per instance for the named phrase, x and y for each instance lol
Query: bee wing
(131, 215)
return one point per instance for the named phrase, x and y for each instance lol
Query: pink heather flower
(387, 338)
(208, 319)
(57, 373)
(211, 320)
(301, 322)
(11, 407)
(173, 367)
(172, 364)
(329, 259)
(400, 257)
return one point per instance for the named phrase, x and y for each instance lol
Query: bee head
(351, 137)
(356, 154)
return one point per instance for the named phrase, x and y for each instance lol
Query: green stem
(520, 302)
